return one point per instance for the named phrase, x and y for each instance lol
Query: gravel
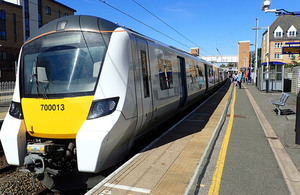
(16, 182)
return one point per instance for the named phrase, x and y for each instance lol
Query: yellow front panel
(55, 118)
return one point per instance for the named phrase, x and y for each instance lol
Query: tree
(231, 64)
(294, 62)
(259, 56)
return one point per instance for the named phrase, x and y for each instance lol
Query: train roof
(76, 22)
(92, 23)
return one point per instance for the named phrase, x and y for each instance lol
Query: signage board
(291, 50)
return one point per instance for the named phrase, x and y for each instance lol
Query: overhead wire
(103, 1)
(170, 26)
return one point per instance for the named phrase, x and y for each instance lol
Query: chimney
(195, 51)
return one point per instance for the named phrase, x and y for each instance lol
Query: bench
(279, 102)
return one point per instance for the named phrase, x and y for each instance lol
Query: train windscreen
(62, 64)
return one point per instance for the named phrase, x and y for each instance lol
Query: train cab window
(165, 74)
(145, 73)
(62, 64)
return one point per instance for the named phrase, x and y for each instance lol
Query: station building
(18, 20)
(284, 31)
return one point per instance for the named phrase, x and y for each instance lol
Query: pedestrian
(239, 80)
(235, 78)
(246, 77)
(249, 77)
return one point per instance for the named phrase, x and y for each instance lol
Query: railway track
(12, 181)
(7, 168)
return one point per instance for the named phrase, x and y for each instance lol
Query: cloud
(90, 1)
(180, 11)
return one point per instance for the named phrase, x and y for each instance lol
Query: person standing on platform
(249, 77)
(239, 80)
(246, 77)
(235, 77)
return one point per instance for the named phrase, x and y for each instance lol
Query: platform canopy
(273, 63)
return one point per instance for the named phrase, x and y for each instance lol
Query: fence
(6, 91)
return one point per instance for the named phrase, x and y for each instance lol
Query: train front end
(60, 117)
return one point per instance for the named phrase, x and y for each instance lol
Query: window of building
(3, 55)
(278, 45)
(66, 14)
(2, 14)
(277, 56)
(292, 31)
(278, 32)
(26, 9)
(2, 35)
(2, 25)
(291, 55)
(48, 10)
(58, 14)
(15, 27)
(39, 13)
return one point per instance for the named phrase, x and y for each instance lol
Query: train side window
(145, 74)
(165, 74)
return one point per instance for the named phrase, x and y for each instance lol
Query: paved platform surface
(261, 156)
(4, 106)
(168, 166)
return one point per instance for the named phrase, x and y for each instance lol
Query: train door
(206, 76)
(144, 95)
(183, 94)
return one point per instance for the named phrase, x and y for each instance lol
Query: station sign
(291, 50)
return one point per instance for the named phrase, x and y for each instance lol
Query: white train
(87, 88)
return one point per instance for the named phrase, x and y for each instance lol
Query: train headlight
(15, 110)
(103, 107)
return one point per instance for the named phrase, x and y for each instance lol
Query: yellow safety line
(216, 180)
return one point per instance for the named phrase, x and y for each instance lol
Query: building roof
(285, 22)
(12, 4)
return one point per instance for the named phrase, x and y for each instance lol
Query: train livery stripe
(55, 118)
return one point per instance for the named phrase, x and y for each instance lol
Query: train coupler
(34, 163)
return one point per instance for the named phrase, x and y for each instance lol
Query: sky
(214, 25)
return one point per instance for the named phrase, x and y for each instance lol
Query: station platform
(256, 151)
(233, 144)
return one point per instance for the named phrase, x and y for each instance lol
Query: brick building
(243, 55)
(11, 38)
(18, 20)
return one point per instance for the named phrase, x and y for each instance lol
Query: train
(87, 88)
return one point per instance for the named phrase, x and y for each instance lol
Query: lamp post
(267, 55)
(256, 37)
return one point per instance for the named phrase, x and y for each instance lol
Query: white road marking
(122, 187)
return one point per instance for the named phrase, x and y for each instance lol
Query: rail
(6, 91)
